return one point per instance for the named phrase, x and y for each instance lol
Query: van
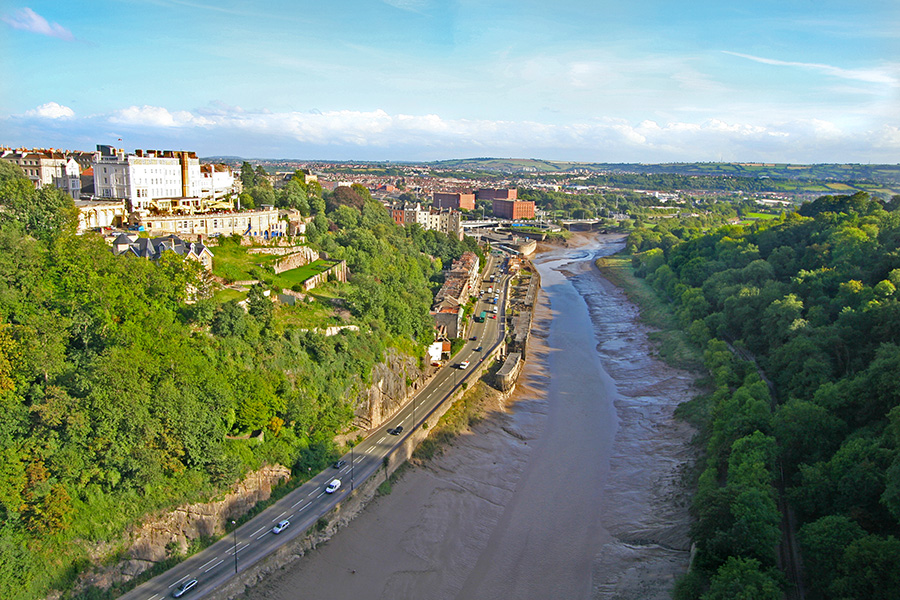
(333, 486)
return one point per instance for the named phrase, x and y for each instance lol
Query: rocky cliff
(394, 380)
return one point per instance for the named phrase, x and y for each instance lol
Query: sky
(788, 81)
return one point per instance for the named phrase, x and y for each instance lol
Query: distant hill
(870, 173)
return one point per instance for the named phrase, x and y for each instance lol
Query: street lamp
(234, 546)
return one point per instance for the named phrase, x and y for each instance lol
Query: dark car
(478, 349)
(473, 338)
(339, 463)
(185, 588)
(396, 430)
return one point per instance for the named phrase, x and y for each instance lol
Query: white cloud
(880, 76)
(51, 110)
(28, 20)
(380, 135)
(156, 116)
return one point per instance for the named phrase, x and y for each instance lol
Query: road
(254, 540)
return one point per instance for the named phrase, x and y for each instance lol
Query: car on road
(184, 588)
(473, 338)
(478, 349)
(339, 463)
(333, 486)
(281, 526)
(396, 430)
(493, 316)
(464, 364)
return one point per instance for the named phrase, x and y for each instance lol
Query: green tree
(744, 579)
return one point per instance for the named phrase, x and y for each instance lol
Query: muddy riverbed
(571, 489)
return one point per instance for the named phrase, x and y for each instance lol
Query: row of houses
(160, 180)
(460, 281)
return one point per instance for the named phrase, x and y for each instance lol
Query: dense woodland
(123, 385)
(800, 319)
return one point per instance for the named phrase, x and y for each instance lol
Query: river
(571, 489)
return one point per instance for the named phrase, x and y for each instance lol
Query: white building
(216, 182)
(146, 177)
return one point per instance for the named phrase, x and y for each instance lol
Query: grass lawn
(759, 215)
(674, 346)
(301, 274)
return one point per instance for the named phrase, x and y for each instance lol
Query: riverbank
(570, 489)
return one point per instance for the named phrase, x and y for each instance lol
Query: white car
(184, 589)
(333, 486)
(281, 526)
(464, 364)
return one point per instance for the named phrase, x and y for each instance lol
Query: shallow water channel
(572, 489)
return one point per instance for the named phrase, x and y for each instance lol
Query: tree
(823, 543)
(259, 305)
(248, 177)
(744, 579)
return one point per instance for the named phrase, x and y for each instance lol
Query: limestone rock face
(160, 535)
(394, 380)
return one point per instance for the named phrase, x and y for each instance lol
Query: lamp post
(234, 546)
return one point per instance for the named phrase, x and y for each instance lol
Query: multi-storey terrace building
(436, 219)
(146, 177)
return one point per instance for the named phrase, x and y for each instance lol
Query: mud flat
(570, 489)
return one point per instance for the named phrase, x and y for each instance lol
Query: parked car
(281, 526)
(333, 486)
(184, 588)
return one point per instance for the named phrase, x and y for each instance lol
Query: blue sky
(640, 81)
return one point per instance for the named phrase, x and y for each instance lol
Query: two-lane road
(255, 539)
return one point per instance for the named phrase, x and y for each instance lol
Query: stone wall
(301, 257)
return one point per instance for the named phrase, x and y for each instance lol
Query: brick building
(513, 209)
(456, 201)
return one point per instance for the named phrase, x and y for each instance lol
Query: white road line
(382, 439)
(244, 547)
(322, 494)
(214, 566)
(305, 507)
(179, 581)
(240, 547)
(261, 536)
(254, 533)
(294, 505)
(311, 493)
(279, 516)
(153, 597)
(345, 469)
(207, 564)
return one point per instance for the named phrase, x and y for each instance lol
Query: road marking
(179, 581)
(382, 439)
(207, 564)
(311, 493)
(305, 507)
(153, 597)
(345, 469)
(279, 516)
(322, 494)
(240, 547)
(214, 566)
(254, 533)
(294, 505)
(261, 536)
